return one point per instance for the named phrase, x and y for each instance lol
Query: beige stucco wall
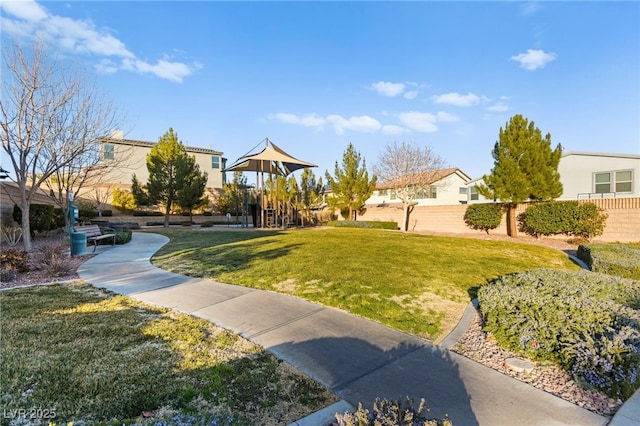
(623, 222)
(130, 159)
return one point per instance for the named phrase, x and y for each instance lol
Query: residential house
(589, 175)
(129, 157)
(449, 186)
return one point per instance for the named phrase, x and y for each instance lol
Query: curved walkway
(356, 359)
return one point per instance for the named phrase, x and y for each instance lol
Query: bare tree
(409, 170)
(51, 118)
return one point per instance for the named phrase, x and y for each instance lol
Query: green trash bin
(78, 243)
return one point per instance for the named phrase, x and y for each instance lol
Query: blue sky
(315, 76)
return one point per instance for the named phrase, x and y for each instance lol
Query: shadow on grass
(98, 358)
(359, 372)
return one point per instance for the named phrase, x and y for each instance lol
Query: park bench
(95, 233)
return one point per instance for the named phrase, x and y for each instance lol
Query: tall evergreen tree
(525, 168)
(167, 171)
(191, 195)
(351, 186)
(139, 192)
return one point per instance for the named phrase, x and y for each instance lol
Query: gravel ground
(474, 344)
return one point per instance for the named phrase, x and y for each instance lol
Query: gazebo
(274, 161)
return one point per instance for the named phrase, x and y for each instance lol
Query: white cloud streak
(26, 18)
(423, 122)
(388, 89)
(534, 59)
(456, 99)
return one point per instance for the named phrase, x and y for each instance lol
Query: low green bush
(42, 217)
(622, 260)
(390, 413)
(583, 220)
(147, 213)
(589, 323)
(124, 236)
(107, 213)
(483, 216)
(373, 224)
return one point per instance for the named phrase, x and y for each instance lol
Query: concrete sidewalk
(356, 359)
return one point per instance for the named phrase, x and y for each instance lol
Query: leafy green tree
(139, 192)
(169, 167)
(191, 195)
(525, 168)
(351, 186)
(309, 194)
(123, 200)
(230, 201)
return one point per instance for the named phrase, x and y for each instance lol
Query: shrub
(390, 413)
(107, 213)
(7, 275)
(483, 216)
(147, 213)
(14, 260)
(124, 236)
(52, 258)
(583, 220)
(587, 322)
(363, 224)
(207, 214)
(11, 235)
(622, 260)
(41, 217)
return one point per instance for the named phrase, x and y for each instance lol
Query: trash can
(78, 243)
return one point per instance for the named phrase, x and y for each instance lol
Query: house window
(108, 152)
(602, 183)
(463, 190)
(215, 162)
(624, 181)
(618, 181)
(473, 194)
(392, 195)
(382, 193)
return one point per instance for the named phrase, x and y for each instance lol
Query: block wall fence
(623, 222)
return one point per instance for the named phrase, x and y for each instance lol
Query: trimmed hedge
(375, 224)
(584, 220)
(622, 260)
(587, 322)
(483, 216)
(147, 213)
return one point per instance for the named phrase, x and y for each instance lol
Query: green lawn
(415, 283)
(74, 352)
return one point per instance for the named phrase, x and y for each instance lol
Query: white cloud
(534, 59)
(445, 117)
(391, 130)
(362, 123)
(310, 120)
(498, 107)
(411, 94)
(28, 18)
(388, 89)
(27, 10)
(419, 121)
(457, 99)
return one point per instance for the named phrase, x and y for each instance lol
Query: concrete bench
(95, 233)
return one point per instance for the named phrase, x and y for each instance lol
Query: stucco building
(128, 157)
